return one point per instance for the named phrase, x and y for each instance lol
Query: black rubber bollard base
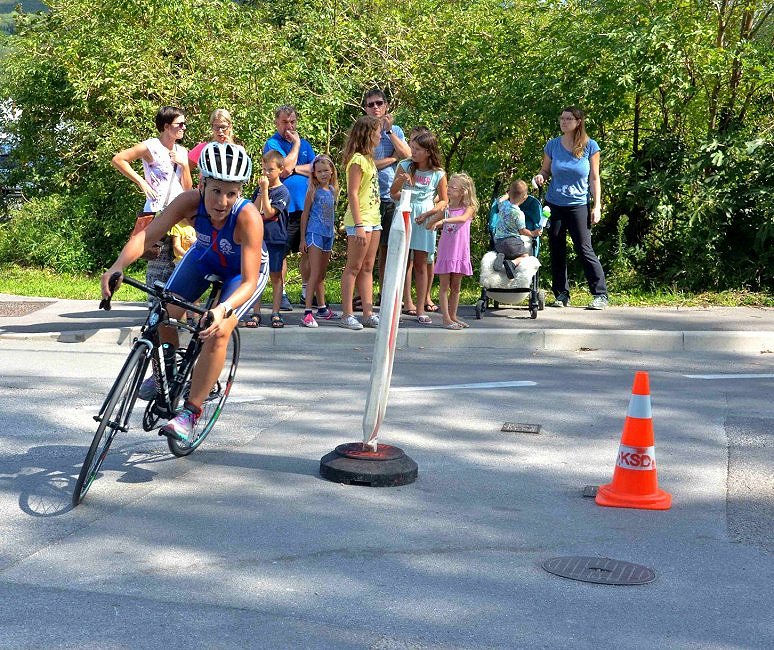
(386, 467)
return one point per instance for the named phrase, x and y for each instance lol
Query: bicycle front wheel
(114, 418)
(213, 405)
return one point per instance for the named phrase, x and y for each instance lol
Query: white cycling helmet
(225, 162)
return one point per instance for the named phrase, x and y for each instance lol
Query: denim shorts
(325, 244)
(352, 231)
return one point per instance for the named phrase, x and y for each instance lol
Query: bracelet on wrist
(359, 225)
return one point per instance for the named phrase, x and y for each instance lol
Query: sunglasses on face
(378, 102)
(221, 127)
(179, 125)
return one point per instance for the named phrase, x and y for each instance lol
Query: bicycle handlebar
(161, 294)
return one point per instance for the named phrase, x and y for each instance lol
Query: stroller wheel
(479, 309)
(533, 312)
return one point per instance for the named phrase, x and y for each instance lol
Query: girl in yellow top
(362, 221)
(183, 236)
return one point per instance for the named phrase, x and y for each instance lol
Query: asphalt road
(244, 545)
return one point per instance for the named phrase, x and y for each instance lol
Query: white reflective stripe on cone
(638, 458)
(639, 407)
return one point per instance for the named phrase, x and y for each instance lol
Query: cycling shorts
(189, 280)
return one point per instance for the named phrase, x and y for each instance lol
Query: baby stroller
(496, 287)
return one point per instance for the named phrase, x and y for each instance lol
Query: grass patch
(23, 281)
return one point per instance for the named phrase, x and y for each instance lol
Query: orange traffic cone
(635, 483)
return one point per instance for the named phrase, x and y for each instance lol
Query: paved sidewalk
(730, 329)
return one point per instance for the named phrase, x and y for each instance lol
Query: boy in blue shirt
(271, 198)
(511, 224)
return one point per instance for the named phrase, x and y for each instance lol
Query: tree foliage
(678, 94)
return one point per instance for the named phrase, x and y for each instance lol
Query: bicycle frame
(116, 410)
(170, 388)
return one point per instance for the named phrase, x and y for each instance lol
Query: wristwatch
(228, 310)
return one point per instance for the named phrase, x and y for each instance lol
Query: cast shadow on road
(46, 475)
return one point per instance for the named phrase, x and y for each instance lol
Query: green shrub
(52, 232)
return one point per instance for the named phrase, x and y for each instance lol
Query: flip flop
(250, 323)
(453, 326)
(424, 319)
(410, 312)
(431, 308)
(462, 324)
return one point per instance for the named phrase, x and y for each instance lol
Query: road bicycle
(172, 374)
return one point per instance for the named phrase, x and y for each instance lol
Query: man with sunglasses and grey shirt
(392, 148)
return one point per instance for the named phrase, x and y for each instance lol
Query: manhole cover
(601, 570)
(14, 308)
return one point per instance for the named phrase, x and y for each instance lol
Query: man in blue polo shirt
(298, 155)
(392, 148)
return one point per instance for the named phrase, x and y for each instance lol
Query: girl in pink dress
(453, 258)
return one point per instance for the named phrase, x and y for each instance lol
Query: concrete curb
(437, 338)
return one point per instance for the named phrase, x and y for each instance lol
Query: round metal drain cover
(601, 570)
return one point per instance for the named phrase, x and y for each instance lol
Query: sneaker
(182, 425)
(285, 304)
(371, 321)
(562, 300)
(498, 264)
(599, 302)
(510, 269)
(309, 321)
(302, 302)
(350, 323)
(327, 314)
(148, 389)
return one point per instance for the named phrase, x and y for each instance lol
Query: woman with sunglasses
(166, 174)
(392, 148)
(222, 131)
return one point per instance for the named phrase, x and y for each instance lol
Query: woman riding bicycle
(229, 243)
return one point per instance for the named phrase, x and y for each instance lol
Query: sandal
(462, 324)
(431, 308)
(453, 326)
(251, 322)
(410, 312)
(276, 320)
(424, 319)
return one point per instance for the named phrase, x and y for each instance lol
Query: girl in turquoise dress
(424, 176)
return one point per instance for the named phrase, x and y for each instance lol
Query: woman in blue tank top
(229, 243)
(572, 163)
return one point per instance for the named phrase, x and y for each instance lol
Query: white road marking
(246, 398)
(486, 384)
(729, 376)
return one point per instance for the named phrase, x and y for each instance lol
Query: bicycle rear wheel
(114, 418)
(213, 405)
